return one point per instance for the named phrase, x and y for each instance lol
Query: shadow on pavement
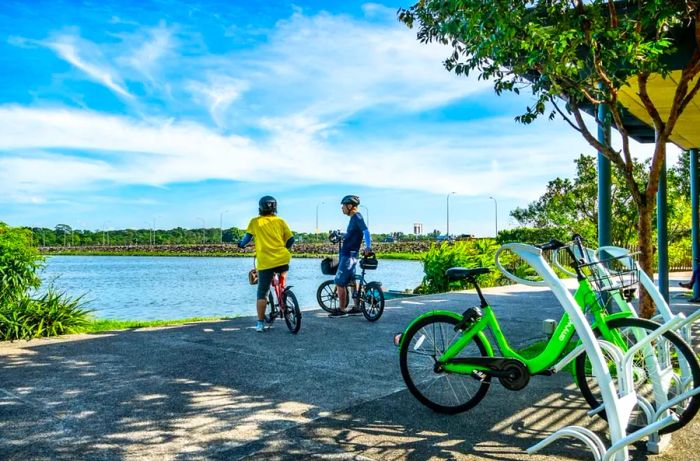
(221, 391)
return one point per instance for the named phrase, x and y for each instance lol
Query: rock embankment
(225, 249)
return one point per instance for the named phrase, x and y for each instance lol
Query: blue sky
(120, 114)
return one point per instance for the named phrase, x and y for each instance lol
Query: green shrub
(50, 314)
(19, 262)
(23, 316)
(533, 235)
(466, 253)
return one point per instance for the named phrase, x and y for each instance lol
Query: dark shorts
(265, 277)
(346, 270)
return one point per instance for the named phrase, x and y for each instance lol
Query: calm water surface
(152, 287)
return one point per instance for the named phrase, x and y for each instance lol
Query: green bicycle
(447, 361)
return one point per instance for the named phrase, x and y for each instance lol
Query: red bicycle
(281, 302)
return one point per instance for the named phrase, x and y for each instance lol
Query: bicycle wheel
(372, 302)
(678, 366)
(327, 296)
(270, 309)
(443, 392)
(292, 314)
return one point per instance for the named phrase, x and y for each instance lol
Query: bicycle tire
(327, 296)
(441, 326)
(685, 410)
(270, 309)
(292, 313)
(372, 301)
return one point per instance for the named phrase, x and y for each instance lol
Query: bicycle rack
(651, 288)
(618, 406)
(656, 443)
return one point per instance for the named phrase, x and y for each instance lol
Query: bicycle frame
(556, 345)
(280, 289)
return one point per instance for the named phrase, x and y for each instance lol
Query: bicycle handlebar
(553, 244)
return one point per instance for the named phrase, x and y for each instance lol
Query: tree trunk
(646, 257)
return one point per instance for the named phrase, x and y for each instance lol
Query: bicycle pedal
(479, 375)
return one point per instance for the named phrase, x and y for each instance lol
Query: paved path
(221, 391)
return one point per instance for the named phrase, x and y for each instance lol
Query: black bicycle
(369, 294)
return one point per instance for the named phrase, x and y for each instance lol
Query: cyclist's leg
(264, 279)
(282, 271)
(344, 278)
(356, 294)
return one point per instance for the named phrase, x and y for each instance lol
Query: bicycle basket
(253, 277)
(329, 265)
(369, 263)
(619, 273)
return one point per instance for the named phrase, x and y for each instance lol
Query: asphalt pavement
(221, 391)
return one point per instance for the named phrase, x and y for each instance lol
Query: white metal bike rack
(665, 313)
(618, 404)
(682, 325)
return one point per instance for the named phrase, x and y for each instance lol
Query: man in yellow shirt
(273, 240)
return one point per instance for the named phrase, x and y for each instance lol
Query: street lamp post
(204, 230)
(367, 212)
(317, 205)
(448, 214)
(153, 232)
(495, 204)
(221, 226)
(104, 226)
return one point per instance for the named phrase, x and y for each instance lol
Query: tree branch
(613, 13)
(563, 115)
(642, 80)
(689, 97)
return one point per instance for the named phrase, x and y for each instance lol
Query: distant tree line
(63, 235)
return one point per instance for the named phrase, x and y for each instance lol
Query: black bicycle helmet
(350, 200)
(267, 205)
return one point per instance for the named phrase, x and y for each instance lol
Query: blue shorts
(346, 270)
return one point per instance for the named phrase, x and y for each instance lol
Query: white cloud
(147, 48)
(300, 89)
(218, 93)
(159, 152)
(330, 65)
(88, 58)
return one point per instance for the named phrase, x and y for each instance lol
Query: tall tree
(572, 204)
(582, 53)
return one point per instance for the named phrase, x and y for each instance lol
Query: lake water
(152, 287)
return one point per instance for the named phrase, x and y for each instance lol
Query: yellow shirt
(270, 234)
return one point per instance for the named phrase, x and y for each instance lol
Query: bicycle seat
(461, 273)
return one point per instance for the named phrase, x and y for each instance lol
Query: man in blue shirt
(349, 252)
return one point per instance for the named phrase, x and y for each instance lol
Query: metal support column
(695, 216)
(604, 181)
(662, 232)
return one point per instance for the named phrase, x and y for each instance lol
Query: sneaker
(338, 313)
(259, 326)
(685, 285)
(355, 311)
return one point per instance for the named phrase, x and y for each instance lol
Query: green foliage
(51, 314)
(21, 315)
(534, 235)
(96, 326)
(573, 56)
(466, 253)
(554, 48)
(572, 204)
(19, 262)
